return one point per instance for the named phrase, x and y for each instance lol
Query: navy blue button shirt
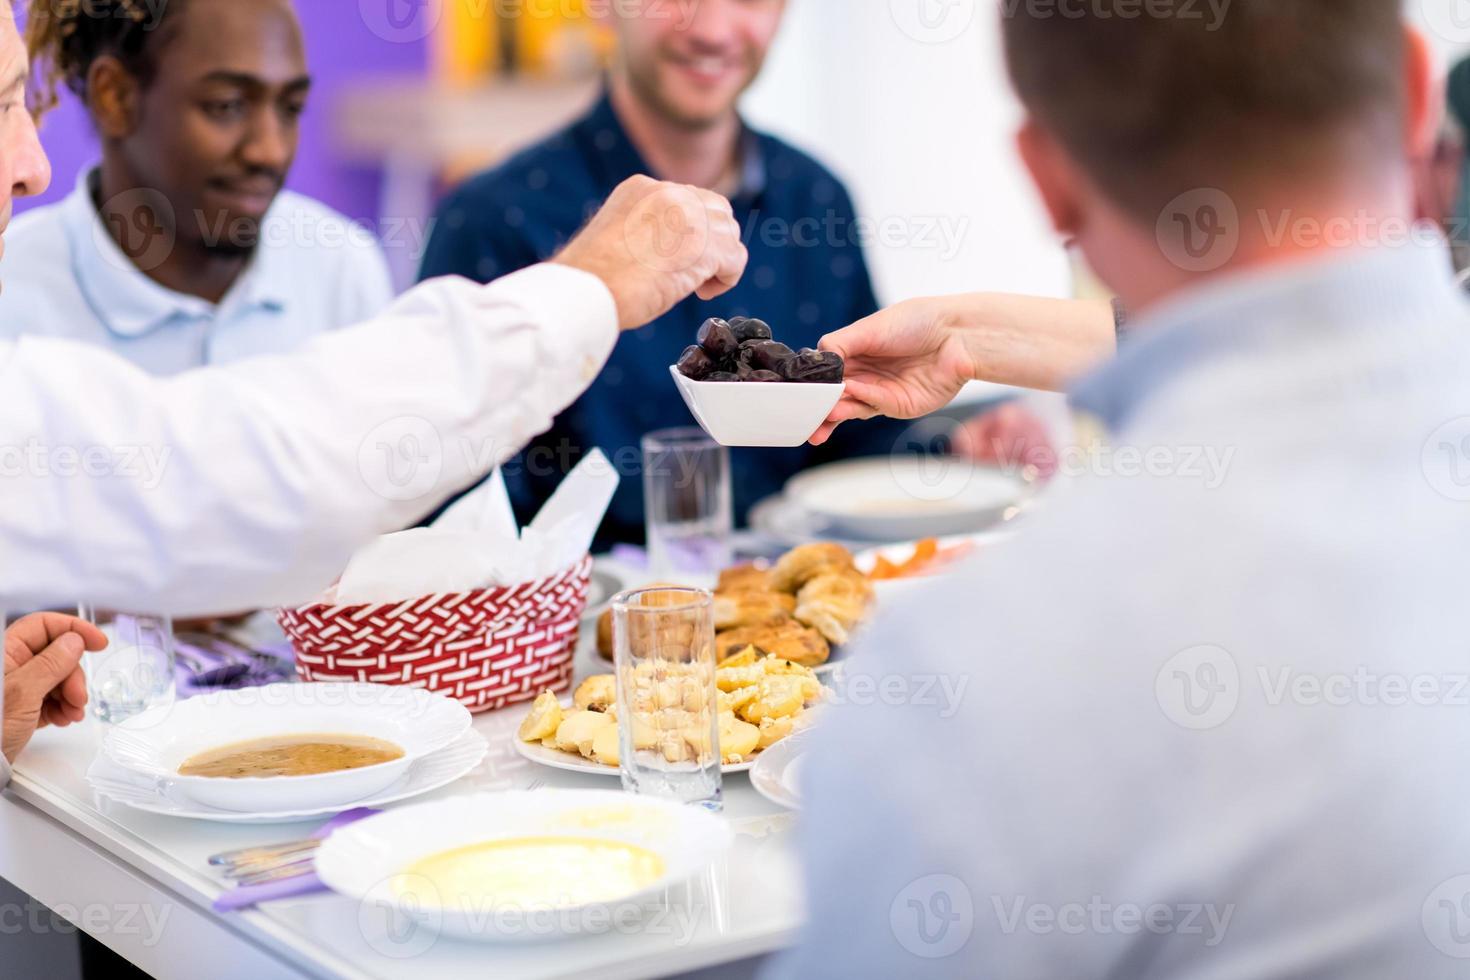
(806, 277)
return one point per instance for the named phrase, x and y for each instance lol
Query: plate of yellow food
(802, 609)
(522, 866)
(762, 699)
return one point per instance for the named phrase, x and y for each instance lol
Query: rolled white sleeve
(251, 484)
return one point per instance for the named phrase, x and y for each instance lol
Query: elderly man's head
(23, 165)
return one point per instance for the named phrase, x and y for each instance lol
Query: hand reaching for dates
(742, 349)
(654, 243)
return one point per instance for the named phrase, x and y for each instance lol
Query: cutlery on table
(280, 870)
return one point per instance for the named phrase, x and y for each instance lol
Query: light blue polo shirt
(64, 276)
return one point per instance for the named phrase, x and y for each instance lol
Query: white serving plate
(154, 743)
(903, 497)
(755, 414)
(777, 770)
(572, 762)
(900, 553)
(361, 860)
(429, 773)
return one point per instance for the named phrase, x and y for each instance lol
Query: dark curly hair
(64, 38)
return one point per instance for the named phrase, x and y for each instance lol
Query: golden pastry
(604, 634)
(788, 640)
(744, 578)
(543, 719)
(751, 608)
(833, 603)
(800, 565)
(605, 621)
(597, 693)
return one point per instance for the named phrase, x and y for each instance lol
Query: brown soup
(291, 755)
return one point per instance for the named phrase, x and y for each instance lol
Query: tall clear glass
(687, 506)
(668, 705)
(136, 670)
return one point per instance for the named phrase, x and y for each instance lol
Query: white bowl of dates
(747, 389)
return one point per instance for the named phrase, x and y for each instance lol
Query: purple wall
(346, 40)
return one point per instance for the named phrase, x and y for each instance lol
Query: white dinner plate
(605, 583)
(362, 861)
(429, 773)
(904, 497)
(154, 744)
(572, 762)
(777, 771)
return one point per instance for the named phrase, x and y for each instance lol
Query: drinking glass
(686, 502)
(668, 706)
(136, 670)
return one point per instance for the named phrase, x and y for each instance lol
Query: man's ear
(1424, 93)
(1054, 176)
(113, 96)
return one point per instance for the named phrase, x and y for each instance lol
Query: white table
(140, 884)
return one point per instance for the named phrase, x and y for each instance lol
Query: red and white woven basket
(486, 649)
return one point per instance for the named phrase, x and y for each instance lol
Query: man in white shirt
(265, 475)
(1205, 715)
(180, 249)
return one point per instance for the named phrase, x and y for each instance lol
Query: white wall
(1446, 23)
(919, 122)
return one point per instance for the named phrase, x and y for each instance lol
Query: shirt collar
(1363, 289)
(128, 302)
(614, 158)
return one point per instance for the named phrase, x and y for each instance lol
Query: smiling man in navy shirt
(670, 111)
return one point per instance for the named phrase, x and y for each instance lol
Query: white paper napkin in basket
(476, 545)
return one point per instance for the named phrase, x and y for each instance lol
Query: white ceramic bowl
(773, 414)
(155, 743)
(905, 497)
(361, 860)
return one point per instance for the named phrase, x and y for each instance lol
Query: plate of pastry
(802, 609)
(761, 700)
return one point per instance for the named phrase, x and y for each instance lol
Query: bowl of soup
(286, 746)
(523, 866)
